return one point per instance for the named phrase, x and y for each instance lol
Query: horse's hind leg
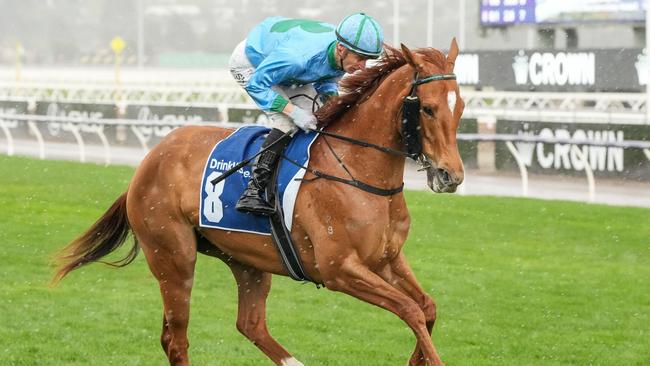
(253, 287)
(165, 335)
(171, 254)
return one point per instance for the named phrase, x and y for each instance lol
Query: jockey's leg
(302, 96)
(240, 67)
(252, 200)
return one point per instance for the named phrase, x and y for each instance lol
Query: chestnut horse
(349, 240)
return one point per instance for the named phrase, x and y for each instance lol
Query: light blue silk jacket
(291, 52)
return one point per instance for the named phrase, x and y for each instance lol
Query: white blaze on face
(451, 100)
(291, 362)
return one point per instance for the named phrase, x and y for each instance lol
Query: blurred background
(556, 108)
(204, 32)
(104, 80)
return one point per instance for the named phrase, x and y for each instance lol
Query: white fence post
(522, 168)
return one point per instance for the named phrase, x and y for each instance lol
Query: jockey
(282, 58)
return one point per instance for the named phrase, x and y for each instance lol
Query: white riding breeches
(242, 70)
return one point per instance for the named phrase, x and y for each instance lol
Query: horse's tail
(104, 237)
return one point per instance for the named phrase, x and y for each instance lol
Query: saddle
(217, 202)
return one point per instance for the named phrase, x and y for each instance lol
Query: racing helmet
(361, 34)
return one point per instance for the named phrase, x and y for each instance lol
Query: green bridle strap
(434, 77)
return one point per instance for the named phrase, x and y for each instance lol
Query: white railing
(625, 108)
(618, 108)
(143, 130)
(130, 94)
(523, 170)
(149, 76)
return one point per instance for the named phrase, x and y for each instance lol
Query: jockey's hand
(303, 119)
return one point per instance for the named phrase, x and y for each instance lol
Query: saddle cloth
(217, 205)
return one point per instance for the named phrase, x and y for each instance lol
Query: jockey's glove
(303, 119)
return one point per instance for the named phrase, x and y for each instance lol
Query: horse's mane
(358, 87)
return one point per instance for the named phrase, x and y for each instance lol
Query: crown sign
(641, 66)
(520, 67)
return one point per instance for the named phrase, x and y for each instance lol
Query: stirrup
(252, 202)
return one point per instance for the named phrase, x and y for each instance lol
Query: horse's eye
(428, 111)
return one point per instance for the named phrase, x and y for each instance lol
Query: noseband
(411, 115)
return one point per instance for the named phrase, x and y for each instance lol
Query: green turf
(517, 282)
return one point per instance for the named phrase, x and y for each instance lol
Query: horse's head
(440, 109)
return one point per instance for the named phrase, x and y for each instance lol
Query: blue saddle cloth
(217, 205)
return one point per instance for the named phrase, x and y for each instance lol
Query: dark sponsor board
(468, 149)
(164, 114)
(18, 129)
(174, 114)
(64, 132)
(247, 115)
(585, 70)
(10, 107)
(605, 161)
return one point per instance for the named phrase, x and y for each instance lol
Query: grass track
(517, 282)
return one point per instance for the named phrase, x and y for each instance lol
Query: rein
(388, 150)
(385, 149)
(352, 181)
(410, 133)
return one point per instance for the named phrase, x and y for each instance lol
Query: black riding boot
(252, 201)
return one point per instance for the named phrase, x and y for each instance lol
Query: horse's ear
(408, 55)
(453, 53)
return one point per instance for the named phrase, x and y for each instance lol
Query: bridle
(411, 115)
(410, 132)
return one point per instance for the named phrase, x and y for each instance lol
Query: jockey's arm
(328, 87)
(276, 68)
(288, 108)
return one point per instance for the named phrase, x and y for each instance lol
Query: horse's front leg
(356, 279)
(399, 274)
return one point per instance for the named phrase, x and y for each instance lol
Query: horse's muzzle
(441, 181)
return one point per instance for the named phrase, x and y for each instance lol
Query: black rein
(353, 181)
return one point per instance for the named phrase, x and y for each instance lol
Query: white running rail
(80, 127)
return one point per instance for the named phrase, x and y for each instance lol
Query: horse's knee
(429, 309)
(242, 327)
(252, 329)
(165, 338)
(411, 313)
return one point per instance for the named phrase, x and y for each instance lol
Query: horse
(349, 240)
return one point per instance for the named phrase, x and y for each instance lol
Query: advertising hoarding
(586, 70)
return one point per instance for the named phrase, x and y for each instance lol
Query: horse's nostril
(444, 177)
